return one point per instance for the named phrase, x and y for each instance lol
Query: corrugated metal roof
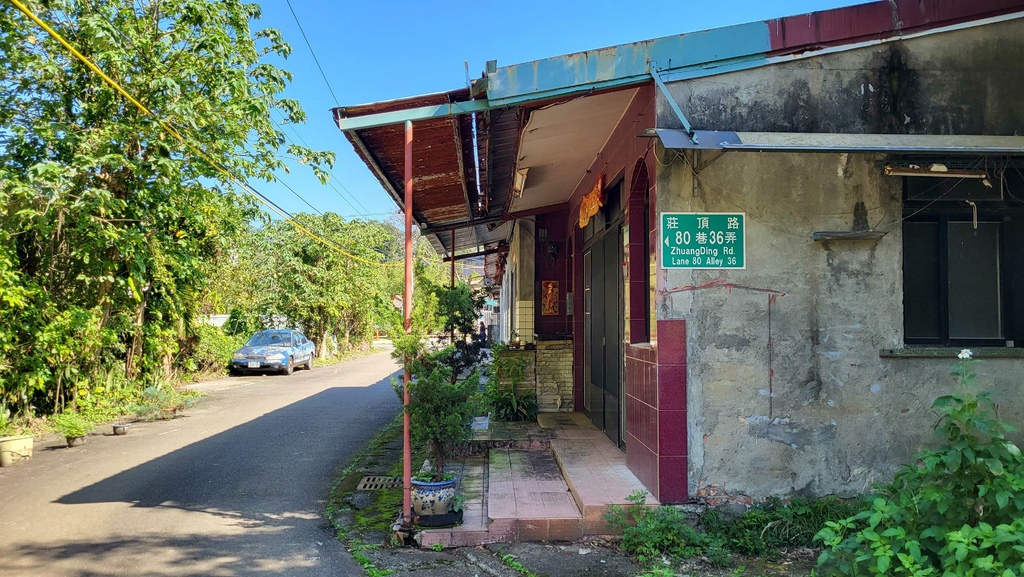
(444, 169)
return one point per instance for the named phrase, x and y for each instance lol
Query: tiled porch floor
(538, 493)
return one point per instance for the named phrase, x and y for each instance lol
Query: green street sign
(703, 240)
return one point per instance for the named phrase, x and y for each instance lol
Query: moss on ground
(362, 518)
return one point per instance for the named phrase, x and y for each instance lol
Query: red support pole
(407, 312)
(452, 252)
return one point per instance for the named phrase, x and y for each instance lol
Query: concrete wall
(820, 411)
(516, 302)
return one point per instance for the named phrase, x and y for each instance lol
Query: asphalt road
(235, 487)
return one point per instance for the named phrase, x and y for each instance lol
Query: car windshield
(270, 339)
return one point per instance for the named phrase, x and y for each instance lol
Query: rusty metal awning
(448, 197)
(834, 142)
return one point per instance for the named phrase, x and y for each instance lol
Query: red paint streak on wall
(720, 283)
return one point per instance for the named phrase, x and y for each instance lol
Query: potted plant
(15, 445)
(441, 409)
(513, 341)
(506, 399)
(73, 427)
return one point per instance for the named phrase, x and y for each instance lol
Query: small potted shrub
(73, 427)
(503, 395)
(441, 411)
(513, 341)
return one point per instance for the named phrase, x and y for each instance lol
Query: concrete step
(593, 467)
(551, 481)
(527, 498)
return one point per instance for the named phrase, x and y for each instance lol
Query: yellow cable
(241, 184)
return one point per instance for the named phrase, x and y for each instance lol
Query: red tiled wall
(556, 269)
(642, 414)
(672, 432)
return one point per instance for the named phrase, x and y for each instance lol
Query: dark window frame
(1009, 214)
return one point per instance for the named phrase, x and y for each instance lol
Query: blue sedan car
(280, 350)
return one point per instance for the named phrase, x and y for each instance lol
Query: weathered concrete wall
(960, 82)
(820, 411)
(554, 375)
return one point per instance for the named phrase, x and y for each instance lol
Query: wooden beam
(500, 249)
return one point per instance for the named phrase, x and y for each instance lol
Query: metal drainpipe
(407, 316)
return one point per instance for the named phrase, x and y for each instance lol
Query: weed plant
(956, 510)
(764, 529)
(505, 373)
(663, 533)
(651, 533)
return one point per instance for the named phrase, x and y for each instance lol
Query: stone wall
(529, 382)
(554, 375)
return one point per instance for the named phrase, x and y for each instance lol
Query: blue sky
(388, 49)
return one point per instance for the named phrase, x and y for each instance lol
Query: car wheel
(309, 363)
(289, 368)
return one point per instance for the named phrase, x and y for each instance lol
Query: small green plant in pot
(441, 411)
(72, 427)
(506, 400)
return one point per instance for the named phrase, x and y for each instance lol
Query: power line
(193, 148)
(331, 90)
(332, 177)
(310, 46)
(165, 69)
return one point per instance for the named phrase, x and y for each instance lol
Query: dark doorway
(603, 318)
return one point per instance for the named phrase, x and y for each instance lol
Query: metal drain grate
(376, 482)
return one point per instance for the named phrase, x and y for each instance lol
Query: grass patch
(379, 509)
(656, 535)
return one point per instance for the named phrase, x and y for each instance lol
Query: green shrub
(440, 410)
(649, 533)
(957, 510)
(163, 401)
(71, 425)
(503, 401)
(242, 323)
(765, 528)
(108, 395)
(211, 350)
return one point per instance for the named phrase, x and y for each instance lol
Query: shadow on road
(156, 555)
(250, 488)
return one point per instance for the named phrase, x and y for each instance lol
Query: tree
(109, 224)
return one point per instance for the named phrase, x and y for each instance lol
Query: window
(963, 264)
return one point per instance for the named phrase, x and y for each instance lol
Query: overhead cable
(171, 130)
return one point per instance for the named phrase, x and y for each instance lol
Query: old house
(749, 254)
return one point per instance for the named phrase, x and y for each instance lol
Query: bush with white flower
(957, 510)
